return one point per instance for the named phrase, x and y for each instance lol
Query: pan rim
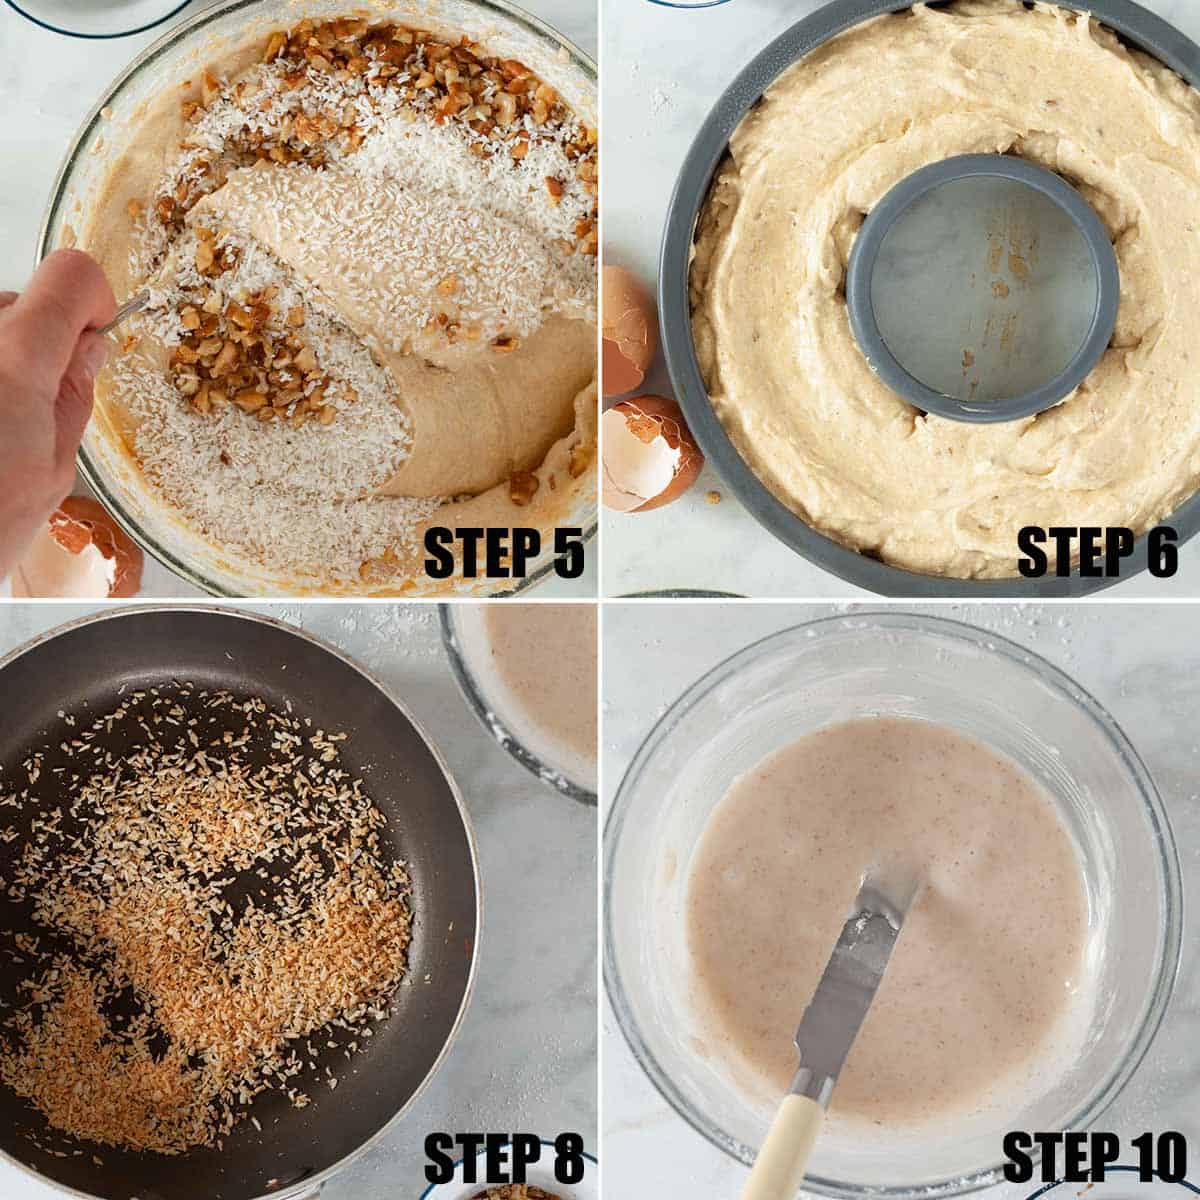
(314, 1183)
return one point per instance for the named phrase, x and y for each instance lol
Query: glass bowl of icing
(529, 673)
(98, 19)
(818, 676)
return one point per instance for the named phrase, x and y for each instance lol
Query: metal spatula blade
(827, 1031)
(843, 997)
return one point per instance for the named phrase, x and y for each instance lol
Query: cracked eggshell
(629, 328)
(80, 553)
(649, 455)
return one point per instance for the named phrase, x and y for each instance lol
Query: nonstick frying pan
(87, 664)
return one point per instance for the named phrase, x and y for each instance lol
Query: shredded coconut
(205, 910)
(288, 163)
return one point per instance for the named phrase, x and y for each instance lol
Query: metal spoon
(133, 304)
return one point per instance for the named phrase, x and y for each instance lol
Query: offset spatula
(827, 1031)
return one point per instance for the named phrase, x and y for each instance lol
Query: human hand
(48, 363)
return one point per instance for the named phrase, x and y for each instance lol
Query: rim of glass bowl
(496, 728)
(175, 10)
(955, 631)
(78, 150)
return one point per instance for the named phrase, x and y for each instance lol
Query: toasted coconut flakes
(174, 986)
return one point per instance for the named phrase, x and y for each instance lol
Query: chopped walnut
(249, 351)
(251, 355)
(522, 487)
(250, 400)
(502, 103)
(578, 459)
(210, 88)
(226, 360)
(506, 108)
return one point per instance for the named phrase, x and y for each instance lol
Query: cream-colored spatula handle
(779, 1169)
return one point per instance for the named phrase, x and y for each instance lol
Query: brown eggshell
(82, 552)
(650, 457)
(620, 375)
(629, 327)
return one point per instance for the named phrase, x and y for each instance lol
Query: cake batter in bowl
(368, 241)
(978, 690)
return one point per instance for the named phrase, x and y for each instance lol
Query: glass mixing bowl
(113, 125)
(766, 697)
(465, 643)
(99, 19)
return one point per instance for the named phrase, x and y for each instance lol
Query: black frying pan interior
(81, 670)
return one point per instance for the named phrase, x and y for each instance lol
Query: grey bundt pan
(1138, 26)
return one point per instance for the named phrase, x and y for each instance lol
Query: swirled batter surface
(988, 974)
(370, 252)
(830, 138)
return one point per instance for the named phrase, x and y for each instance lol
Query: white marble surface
(48, 83)
(1139, 661)
(663, 69)
(525, 1058)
